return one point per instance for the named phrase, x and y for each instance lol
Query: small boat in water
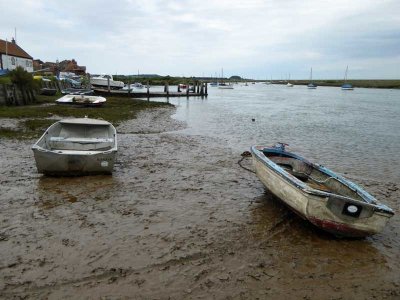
(182, 86)
(225, 86)
(311, 85)
(82, 100)
(346, 86)
(74, 147)
(319, 195)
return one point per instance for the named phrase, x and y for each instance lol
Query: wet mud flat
(178, 219)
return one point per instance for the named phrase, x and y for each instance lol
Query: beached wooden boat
(74, 147)
(82, 100)
(319, 195)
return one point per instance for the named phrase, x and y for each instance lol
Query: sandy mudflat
(179, 219)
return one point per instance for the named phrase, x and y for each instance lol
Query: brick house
(12, 56)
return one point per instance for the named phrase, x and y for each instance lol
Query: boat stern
(347, 217)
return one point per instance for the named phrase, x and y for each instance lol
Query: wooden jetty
(196, 90)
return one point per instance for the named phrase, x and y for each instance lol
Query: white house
(12, 56)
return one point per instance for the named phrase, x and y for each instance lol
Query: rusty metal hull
(325, 209)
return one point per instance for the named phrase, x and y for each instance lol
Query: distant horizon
(258, 79)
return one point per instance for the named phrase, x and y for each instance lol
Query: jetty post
(202, 90)
(206, 85)
(108, 85)
(148, 90)
(89, 83)
(129, 88)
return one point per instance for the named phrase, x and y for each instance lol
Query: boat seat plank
(80, 140)
(80, 143)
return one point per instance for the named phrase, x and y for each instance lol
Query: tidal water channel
(350, 131)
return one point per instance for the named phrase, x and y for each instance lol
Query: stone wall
(13, 95)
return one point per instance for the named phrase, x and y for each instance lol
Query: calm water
(354, 132)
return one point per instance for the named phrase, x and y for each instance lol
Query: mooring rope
(244, 155)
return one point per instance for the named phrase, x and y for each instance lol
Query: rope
(244, 155)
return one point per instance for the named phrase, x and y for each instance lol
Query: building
(12, 56)
(56, 67)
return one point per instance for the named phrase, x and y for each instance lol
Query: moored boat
(317, 194)
(311, 85)
(74, 147)
(103, 81)
(182, 86)
(82, 100)
(347, 86)
(48, 91)
(73, 91)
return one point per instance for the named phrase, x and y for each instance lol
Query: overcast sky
(250, 38)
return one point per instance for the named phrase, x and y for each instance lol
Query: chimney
(13, 41)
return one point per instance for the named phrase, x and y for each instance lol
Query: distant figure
(253, 119)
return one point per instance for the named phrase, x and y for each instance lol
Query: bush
(22, 78)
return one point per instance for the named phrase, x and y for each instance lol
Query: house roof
(13, 49)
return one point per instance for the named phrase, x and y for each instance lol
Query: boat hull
(321, 209)
(103, 83)
(74, 163)
(76, 147)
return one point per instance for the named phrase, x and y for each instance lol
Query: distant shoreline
(374, 83)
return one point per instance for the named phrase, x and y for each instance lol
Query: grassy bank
(34, 119)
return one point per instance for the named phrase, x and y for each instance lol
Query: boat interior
(78, 137)
(311, 175)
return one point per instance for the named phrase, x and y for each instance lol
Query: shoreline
(373, 84)
(178, 218)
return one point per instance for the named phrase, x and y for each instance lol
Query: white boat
(311, 85)
(138, 85)
(74, 147)
(223, 85)
(226, 86)
(82, 100)
(288, 83)
(102, 81)
(346, 86)
(319, 195)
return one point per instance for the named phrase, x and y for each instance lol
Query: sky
(260, 39)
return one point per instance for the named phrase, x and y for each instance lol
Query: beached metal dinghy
(76, 147)
(317, 194)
